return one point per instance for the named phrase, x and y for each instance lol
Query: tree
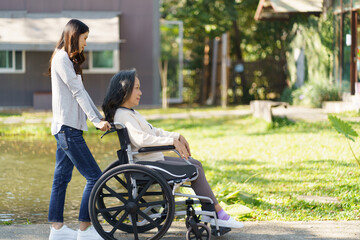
(250, 40)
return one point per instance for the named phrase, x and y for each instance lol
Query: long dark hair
(120, 88)
(70, 41)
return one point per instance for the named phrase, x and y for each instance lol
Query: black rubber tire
(203, 229)
(111, 166)
(104, 201)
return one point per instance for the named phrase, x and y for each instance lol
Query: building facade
(123, 34)
(347, 44)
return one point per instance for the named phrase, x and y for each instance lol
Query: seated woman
(122, 95)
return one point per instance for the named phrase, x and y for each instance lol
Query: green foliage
(286, 95)
(315, 36)
(209, 19)
(279, 122)
(313, 94)
(343, 127)
(170, 53)
(276, 41)
(6, 223)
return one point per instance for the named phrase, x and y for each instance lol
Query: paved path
(200, 114)
(329, 230)
(301, 113)
(291, 112)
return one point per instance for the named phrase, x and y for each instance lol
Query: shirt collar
(127, 108)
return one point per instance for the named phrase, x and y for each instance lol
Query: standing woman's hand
(103, 125)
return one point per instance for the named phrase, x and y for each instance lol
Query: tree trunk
(204, 85)
(238, 52)
(163, 76)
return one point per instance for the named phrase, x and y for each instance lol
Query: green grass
(6, 223)
(262, 171)
(269, 168)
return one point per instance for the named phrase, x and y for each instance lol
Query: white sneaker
(64, 233)
(230, 223)
(89, 234)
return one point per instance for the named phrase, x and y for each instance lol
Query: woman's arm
(176, 136)
(94, 107)
(162, 133)
(65, 69)
(140, 138)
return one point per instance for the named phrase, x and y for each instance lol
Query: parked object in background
(263, 108)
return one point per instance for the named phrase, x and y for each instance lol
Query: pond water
(26, 172)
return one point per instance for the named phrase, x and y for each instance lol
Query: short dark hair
(119, 90)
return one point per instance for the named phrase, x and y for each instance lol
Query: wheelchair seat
(172, 172)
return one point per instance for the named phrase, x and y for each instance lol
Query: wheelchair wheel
(111, 166)
(201, 232)
(133, 199)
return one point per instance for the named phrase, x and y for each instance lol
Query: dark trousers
(200, 185)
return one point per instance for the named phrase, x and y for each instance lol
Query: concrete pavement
(329, 230)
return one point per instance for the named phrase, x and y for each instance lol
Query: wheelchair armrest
(156, 149)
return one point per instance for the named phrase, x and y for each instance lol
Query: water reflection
(26, 172)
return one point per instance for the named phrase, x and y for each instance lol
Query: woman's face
(82, 41)
(135, 96)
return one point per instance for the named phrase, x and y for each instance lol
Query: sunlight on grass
(258, 171)
(249, 163)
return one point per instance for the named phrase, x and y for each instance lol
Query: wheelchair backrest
(123, 136)
(124, 141)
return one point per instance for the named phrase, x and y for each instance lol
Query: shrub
(314, 94)
(286, 95)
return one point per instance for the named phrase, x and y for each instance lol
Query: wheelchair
(139, 198)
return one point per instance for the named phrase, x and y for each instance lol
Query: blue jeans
(71, 151)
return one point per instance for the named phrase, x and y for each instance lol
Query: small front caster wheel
(202, 232)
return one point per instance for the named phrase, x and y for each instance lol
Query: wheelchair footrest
(220, 232)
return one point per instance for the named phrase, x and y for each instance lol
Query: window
(101, 61)
(12, 61)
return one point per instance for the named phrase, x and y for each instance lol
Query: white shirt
(143, 134)
(71, 104)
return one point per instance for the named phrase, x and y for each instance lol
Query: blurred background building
(123, 34)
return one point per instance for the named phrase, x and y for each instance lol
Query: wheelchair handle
(114, 126)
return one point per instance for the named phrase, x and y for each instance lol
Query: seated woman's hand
(183, 141)
(181, 148)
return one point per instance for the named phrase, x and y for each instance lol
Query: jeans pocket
(62, 141)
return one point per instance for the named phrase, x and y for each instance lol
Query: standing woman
(71, 106)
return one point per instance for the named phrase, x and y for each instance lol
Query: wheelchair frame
(126, 187)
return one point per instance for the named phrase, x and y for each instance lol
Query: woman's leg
(200, 185)
(83, 160)
(62, 176)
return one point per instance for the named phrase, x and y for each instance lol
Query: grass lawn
(286, 171)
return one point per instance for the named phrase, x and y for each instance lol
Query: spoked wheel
(201, 232)
(133, 199)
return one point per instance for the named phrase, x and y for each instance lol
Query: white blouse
(143, 134)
